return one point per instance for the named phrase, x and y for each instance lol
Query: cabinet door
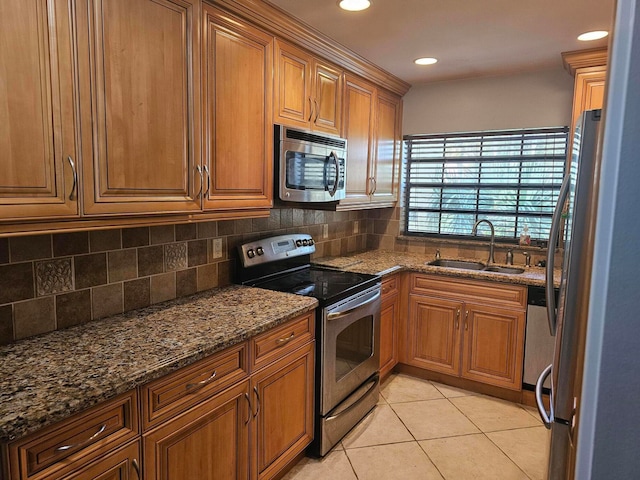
(358, 118)
(293, 84)
(434, 334)
(283, 394)
(327, 98)
(139, 77)
(389, 317)
(37, 121)
(388, 138)
(493, 346)
(588, 94)
(123, 464)
(208, 442)
(238, 134)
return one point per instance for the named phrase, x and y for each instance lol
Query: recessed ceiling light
(425, 61)
(596, 35)
(354, 5)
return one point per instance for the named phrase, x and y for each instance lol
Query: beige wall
(532, 99)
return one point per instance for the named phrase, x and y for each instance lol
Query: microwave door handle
(333, 156)
(551, 249)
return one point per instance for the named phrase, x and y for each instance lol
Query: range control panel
(276, 248)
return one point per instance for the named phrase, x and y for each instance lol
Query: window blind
(511, 178)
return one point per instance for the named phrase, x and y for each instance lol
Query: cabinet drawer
(50, 452)
(184, 388)
(476, 291)
(390, 286)
(271, 345)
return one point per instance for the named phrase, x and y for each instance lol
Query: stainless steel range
(348, 328)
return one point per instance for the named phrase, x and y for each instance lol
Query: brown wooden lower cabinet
(122, 464)
(217, 419)
(85, 440)
(477, 334)
(207, 442)
(434, 334)
(283, 412)
(389, 318)
(252, 429)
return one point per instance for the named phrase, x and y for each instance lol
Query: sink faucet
(493, 235)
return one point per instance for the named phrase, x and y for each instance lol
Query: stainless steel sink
(495, 268)
(441, 262)
(468, 265)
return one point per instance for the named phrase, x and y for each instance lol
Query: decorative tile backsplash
(54, 276)
(48, 282)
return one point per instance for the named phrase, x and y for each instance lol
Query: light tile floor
(424, 430)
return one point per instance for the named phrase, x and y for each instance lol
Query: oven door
(350, 346)
(312, 176)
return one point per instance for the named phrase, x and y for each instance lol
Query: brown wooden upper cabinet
(138, 64)
(373, 131)
(590, 70)
(37, 122)
(308, 91)
(238, 109)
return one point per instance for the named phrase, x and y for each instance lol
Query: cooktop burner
(282, 263)
(321, 283)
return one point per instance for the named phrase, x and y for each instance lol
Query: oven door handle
(344, 313)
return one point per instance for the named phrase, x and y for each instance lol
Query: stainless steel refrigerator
(573, 220)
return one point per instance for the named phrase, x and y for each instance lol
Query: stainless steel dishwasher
(539, 343)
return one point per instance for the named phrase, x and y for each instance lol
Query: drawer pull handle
(194, 387)
(457, 319)
(64, 448)
(136, 467)
(282, 341)
(466, 320)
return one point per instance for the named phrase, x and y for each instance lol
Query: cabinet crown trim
(593, 57)
(283, 25)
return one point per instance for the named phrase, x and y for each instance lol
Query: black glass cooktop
(327, 285)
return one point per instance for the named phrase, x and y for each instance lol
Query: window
(511, 178)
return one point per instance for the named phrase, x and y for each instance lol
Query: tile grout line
(493, 443)
(353, 469)
(506, 455)
(410, 433)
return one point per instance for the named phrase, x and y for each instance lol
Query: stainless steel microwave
(310, 167)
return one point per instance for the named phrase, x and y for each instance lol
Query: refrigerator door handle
(547, 418)
(551, 250)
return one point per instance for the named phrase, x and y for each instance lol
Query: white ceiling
(469, 37)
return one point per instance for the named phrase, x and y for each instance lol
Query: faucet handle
(438, 254)
(509, 260)
(527, 259)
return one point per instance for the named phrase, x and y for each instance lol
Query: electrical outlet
(356, 227)
(217, 248)
(325, 230)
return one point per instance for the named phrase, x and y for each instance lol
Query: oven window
(306, 171)
(354, 345)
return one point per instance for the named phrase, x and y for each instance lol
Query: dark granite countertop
(48, 378)
(381, 262)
